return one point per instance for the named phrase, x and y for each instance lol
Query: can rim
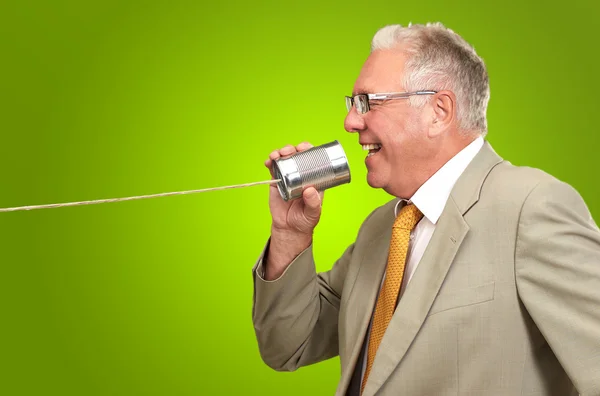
(346, 158)
(282, 184)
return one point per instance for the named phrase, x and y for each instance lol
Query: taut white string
(98, 201)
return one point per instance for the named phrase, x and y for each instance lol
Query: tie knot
(408, 217)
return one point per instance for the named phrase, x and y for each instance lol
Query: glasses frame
(362, 103)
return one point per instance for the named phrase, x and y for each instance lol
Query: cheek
(406, 141)
(403, 122)
(399, 130)
(415, 126)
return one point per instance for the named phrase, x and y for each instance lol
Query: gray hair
(440, 59)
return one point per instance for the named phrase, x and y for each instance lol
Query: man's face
(400, 129)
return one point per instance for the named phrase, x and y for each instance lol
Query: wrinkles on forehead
(375, 83)
(381, 72)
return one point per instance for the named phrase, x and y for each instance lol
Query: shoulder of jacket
(517, 181)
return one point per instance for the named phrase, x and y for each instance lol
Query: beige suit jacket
(505, 301)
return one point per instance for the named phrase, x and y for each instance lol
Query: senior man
(478, 278)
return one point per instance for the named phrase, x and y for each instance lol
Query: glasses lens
(362, 103)
(348, 103)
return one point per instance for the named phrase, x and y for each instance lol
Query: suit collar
(431, 197)
(467, 189)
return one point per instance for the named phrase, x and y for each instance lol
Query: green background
(102, 99)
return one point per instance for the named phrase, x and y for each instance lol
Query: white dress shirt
(430, 199)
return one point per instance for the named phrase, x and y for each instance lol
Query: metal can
(321, 167)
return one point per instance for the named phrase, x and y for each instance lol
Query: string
(99, 201)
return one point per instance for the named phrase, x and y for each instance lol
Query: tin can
(321, 167)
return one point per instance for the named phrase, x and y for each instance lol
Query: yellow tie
(388, 295)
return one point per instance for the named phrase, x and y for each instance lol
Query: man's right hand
(293, 221)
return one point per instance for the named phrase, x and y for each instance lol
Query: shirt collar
(431, 197)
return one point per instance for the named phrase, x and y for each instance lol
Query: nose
(354, 122)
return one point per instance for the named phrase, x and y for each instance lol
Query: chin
(374, 181)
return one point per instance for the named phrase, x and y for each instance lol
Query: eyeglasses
(362, 100)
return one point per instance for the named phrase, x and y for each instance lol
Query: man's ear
(443, 112)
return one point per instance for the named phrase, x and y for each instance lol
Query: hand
(299, 216)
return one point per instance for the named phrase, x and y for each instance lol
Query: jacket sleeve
(557, 268)
(296, 316)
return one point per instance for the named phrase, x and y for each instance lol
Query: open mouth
(373, 148)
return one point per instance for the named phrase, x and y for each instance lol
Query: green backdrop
(103, 99)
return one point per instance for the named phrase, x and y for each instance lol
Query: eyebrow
(360, 92)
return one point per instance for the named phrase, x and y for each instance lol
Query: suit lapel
(423, 288)
(364, 294)
(419, 296)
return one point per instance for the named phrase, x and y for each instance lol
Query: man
(480, 278)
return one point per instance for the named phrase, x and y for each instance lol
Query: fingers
(303, 146)
(286, 152)
(272, 157)
(312, 201)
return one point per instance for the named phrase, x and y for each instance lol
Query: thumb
(312, 203)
